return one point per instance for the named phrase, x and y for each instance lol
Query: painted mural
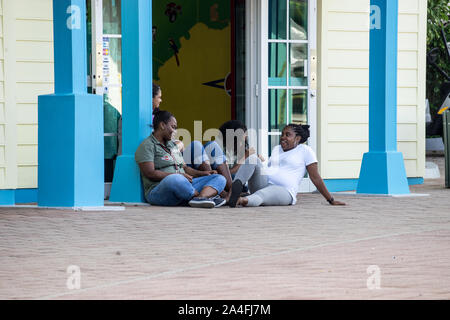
(192, 59)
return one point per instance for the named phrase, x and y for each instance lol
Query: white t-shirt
(287, 169)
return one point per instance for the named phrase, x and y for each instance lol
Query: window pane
(298, 19)
(277, 64)
(277, 19)
(112, 17)
(298, 106)
(298, 56)
(277, 110)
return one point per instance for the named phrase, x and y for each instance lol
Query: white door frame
(257, 102)
(96, 77)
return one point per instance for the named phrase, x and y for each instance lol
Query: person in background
(157, 98)
(156, 101)
(222, 155)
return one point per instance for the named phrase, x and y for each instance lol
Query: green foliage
(438, 15)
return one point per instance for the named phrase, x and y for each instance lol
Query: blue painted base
(383, 173)
(341, 185)
(7, 197)
(127, 185)
(70, 151)
(26, 195)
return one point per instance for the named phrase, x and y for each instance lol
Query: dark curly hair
(233, 125)
(161, 116)
(300, 131)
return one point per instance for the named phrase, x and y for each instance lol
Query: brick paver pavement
(308, 251)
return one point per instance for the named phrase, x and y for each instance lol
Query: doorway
(282, 70)
(104, 38)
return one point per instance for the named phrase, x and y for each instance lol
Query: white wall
(344, 86)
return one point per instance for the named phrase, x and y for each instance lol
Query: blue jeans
(175, 190)
(195, 154)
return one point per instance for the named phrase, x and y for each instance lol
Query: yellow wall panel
(2, 91)
(408, 23)
(348, 132)
(348, 114)
(348, 40)
(408, 41)
(27, 177)
(347, 151)
(27, 134)
(34, 9)
(407, 132)
(27, 155)
(34, 30)
(411, 167)
(408, 78)
(409, 150)
(347, 169)
(2, 177)
(34, 50)
(348, 59)
(352, 21)
(27, 113)
(349, 6)
(408, 6)
(2, 156)
(343, 90)
(407, 59)
(407, 96)
(29, 92)
(348, 77)
(2, 113)
(1, 48)
(2, 134)
(407, 114)
(34, 72)
(348, 96)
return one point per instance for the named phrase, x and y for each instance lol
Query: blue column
(136, 97)
(383, 170)
(70, 122)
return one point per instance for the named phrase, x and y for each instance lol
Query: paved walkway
(308, 251)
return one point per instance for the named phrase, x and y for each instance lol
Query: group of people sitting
(216, 174)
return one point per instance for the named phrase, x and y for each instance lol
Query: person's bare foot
(243, 202)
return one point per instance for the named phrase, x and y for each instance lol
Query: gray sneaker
(202, 203)
(219, 201)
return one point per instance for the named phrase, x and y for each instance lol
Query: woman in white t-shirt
(277, 184)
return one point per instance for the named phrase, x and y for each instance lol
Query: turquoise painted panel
(70, 150)
(341, 185)
(26, 196)
(7, 197)
(382, 169)
(69, 33)
(137, 97)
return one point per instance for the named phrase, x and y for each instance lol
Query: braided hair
(300, 130)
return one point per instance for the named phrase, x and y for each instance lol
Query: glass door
(105, 71)
(282, 71)
(290, 51)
